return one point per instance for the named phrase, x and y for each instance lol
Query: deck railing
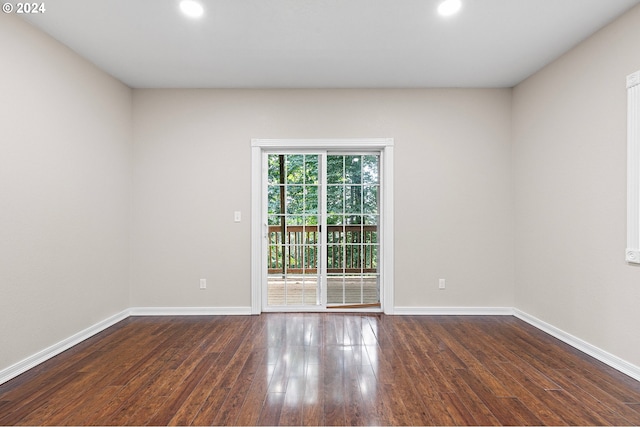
(351, 249)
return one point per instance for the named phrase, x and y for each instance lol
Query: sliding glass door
(322, 230)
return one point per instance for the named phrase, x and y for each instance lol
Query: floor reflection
(319, 358)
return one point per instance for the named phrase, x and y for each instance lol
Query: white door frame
(258, 232)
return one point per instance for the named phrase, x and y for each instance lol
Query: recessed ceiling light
(191, 8)
(449, 7)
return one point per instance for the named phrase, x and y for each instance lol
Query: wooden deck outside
(302, 290)
(351, 249)
(352, 264)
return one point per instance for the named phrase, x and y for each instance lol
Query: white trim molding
(49, 352)
(593, 351)
(257, 228)
(54, 350)
(190, 311)
(323, 144)
(453, 311)
(632, 254)
(46, 354)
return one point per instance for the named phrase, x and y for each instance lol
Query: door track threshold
(372, 305)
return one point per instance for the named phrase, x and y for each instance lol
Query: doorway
(324, 236)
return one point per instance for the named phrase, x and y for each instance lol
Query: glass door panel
(293, 218)
(353, 184)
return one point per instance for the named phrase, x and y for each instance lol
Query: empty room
(320, 212)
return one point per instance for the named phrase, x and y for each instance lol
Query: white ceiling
(324, 43)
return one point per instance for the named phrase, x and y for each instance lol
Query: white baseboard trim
(46, 354)
(190, 311)
(453, 311)
(49, 352)
(609, 359)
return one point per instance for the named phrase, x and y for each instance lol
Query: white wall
(453, 201)
(570, 180)
(65, 142)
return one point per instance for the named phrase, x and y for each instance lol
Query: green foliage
(293, 197)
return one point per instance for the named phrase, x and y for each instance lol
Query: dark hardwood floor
(321, 369)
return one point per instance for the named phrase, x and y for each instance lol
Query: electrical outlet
(203, 283)
(441, 284)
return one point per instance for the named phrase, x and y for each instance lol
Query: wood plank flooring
(321, 369)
